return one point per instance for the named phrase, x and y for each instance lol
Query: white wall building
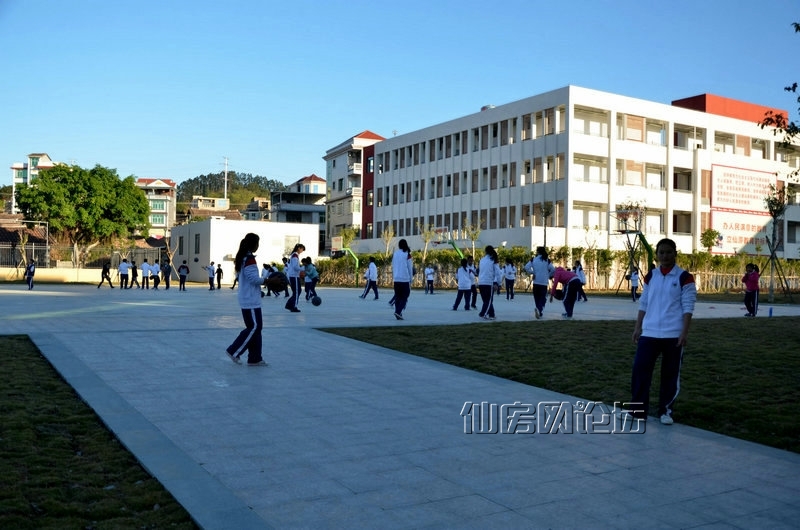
(23, 172)
(217, 240)
(588, 152)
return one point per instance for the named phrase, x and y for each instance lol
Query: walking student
(166, 272)
(662, 327)
(219, 273)
(474, 289)
(105, 274)
(155, 271)
(402, 272)
(293, 273)
(751, 288)
(430, 275)
(124, 268)
(134, 276)
(371, 278)
(249, 297)
(464, 279)
(489, 275)
(541, 270)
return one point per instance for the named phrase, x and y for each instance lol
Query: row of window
(504, 132)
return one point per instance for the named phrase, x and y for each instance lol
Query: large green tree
(85, 206)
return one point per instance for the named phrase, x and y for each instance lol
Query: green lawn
(740, 377)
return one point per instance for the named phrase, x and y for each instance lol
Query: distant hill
(242, 187)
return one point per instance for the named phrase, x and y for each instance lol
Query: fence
(61, 256)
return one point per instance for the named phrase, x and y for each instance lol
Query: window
(197, 243)
(380, 197)
(180, 246)
(158, 205)
(157, 219)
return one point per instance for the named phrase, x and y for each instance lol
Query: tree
(547, 211)
(348, 234)
(776, 201)
(87, 207)
(472, 232)
(790, 130)
(709, 238)
(426, 233)
(387, 236)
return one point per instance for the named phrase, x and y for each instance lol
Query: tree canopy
(88, 207)
(242, 187)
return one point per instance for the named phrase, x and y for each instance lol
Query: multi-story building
(344, 172)
(302, 201)
(258, 209)
(162, 196)
(23, 172)
(698, 163)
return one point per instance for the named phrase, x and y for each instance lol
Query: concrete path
(339, 434)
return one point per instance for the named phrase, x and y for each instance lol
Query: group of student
(129, 274)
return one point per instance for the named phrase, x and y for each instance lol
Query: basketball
(316, 300)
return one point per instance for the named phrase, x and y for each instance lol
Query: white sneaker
(537, 313)
(666, 419)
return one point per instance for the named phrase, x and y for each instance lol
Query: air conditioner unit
(349, 191)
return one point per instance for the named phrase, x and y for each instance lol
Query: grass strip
(60, 467)
(739, 376)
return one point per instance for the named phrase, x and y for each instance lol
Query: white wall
(219, 241)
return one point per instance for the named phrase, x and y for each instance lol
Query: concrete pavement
(336, 433)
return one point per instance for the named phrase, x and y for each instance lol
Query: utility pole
(225, 187)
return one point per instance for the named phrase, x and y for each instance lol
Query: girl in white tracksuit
(249, 296)
(464, 278)
(488, 275)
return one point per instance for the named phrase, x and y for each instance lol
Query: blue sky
(167, 88)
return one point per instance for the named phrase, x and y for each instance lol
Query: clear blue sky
(167, 88)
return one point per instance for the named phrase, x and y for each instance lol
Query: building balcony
(354, 168)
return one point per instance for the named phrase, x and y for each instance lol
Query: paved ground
(336, 433)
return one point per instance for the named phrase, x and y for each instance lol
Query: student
(570, 284)
(211, 271)
(751, 289)
(464, 279)
(145, 274)
(30, 271)
(124, 268)
(134, 276)
(218, 272)
(293, 273)
(489, 275)
(430, 275)
(249, 297)
(105, 274)
(311, 279)
(402, 272)
(474, 289)
(634, 283)
(371, 278)
(155, 271)
(183, 272)
(662, 326)
(510, 276)
(541, 270)
(166, 272)
(578, 269)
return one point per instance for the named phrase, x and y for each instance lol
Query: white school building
(699, 163)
